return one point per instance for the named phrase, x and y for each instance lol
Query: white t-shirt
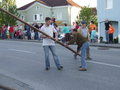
(49, 31)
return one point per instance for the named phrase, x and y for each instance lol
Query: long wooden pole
(5, 11)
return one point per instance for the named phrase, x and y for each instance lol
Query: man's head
(110, 24)
(74, 31)
(83, 24)
(92, 22)
(106, 20)
(65, 24)
(76, 23)
(48, 20)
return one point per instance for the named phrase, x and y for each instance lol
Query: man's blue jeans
(107, 36)
(84, 48)
(56, 59)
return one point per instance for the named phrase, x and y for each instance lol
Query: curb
(115, 46)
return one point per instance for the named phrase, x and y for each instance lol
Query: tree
(87, 14)
(9, 5)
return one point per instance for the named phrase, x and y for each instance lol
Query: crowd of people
(20, 32)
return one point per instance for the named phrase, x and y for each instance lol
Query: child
(32, 34)
(83, 43)
(93, 35)
(8, 34)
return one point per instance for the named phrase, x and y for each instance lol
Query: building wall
(112, 14)
(66, 14)
(74, 13)
(63, 12)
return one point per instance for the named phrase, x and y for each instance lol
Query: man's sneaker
(60, 68)
(47, 68)
(82, 69)
(88, 58)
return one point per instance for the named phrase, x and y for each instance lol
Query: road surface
(24, 61)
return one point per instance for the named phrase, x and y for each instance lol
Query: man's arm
(73, 40)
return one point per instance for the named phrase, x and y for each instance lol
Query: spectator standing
(93, 35)
(77, 26)
(4, 30)
(66, 31)
(32, 34)
(11, 29)
(28, 32)
(106, 30)
(92, 25)
(111, 32)
(36, 32)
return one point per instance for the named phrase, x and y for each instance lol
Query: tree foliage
(87, 14)
(9, 5)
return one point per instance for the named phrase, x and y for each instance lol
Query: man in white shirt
(49, 44)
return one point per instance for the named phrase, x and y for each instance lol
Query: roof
(51, 3)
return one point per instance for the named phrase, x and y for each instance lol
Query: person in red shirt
(77, 26)
(92, 25)
(4, 29)
(11, 32)
(0, 32)
(17, 34)
(111, 32)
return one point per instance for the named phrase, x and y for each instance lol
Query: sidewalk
(7, 83)
(92, 44)
(106, 45)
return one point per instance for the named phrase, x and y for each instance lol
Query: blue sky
(91, 3)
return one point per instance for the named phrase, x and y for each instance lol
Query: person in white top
(49, 44)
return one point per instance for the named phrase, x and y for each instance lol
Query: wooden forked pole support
(5, 11)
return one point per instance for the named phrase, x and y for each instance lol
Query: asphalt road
(24, 61)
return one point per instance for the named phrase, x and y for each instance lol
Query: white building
(65, 11)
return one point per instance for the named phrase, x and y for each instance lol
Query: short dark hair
(111, 24)
(77, 23)
(92, 22)
(74, 30)
(65, 24)
(47, 18)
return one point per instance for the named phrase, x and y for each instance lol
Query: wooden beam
(5, 11)
(5, 88)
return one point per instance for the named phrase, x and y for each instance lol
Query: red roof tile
(51, 3)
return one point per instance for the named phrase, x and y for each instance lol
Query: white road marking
(22, 51)
(106, 64)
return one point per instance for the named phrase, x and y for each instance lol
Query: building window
(37, 17)
(41, 16)
(59, 15)
(37, 7)
(109, 4)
